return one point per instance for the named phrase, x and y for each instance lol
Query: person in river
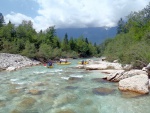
(82, 62)
(49, 63)
(65, 60)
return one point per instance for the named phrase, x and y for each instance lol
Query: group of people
(63, 60)
(50, 63)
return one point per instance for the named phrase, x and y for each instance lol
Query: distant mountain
(96, 34)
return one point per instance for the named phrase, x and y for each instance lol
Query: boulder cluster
(128, 79)
(12, 62)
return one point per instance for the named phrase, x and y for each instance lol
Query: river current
(65, 89)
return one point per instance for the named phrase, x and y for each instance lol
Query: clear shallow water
(64, 89)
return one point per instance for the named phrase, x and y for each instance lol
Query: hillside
(95, 34)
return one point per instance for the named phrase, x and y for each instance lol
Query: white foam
(65, 78)
(58, 70)
(13, 80)
(77, 76)
(39, 72)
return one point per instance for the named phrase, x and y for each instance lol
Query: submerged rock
(64, 99)
(71, 87)
(138, 83)
(74, 79)
(129, 94)
(15, 111)
(14, 91)
(2, 104)
(35, 92)
(27, 102)
(102, 91)
(101, 80)
(65, 111)
(86, 102)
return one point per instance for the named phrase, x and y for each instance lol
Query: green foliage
(30, 50)
(131, 47)
(1, 19)
(23, 39)
(45, 51)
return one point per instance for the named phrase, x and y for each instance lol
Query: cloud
(86, 13)
(80, 13)
(17, 18)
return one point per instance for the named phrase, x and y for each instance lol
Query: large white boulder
(138, 83)
(118, 75)
(96, 67)
(11, 69)
(103, 65)
(134, 72)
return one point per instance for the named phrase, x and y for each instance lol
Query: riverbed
(65, 89)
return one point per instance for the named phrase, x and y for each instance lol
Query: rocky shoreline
(12, 62)
(128, 79)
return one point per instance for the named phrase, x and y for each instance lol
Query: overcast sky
(69, 13)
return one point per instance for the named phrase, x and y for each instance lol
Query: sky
(69, 13)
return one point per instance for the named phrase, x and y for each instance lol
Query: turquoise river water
(65, 89)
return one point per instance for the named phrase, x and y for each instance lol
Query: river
(65, 89)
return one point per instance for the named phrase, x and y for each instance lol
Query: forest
(44, 45)
(131, 45)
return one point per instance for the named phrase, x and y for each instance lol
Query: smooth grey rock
(138, 83)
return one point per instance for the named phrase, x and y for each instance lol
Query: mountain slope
(97, 34)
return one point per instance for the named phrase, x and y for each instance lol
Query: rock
(101, 80)
(14, 61)
(74, 79)
(129, 94)
(115, 61)
(96, 67)
(2, 104)
(134, 72)
(14, 91)
(118, 75)
(86, 102)
(115, 77)
(102, 91)
(80, 66)
(16, 111)
(127, 67)
(27, 102)
(148, 66)
(138, 83)
(64, 99)
(65, 111)
(144, 69)
(110, 71)
(35, 92)
(103, 65)
(11, 69)
(71, 87)
(39, 84)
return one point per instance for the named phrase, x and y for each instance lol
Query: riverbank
(15, 61)
(128, 79)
